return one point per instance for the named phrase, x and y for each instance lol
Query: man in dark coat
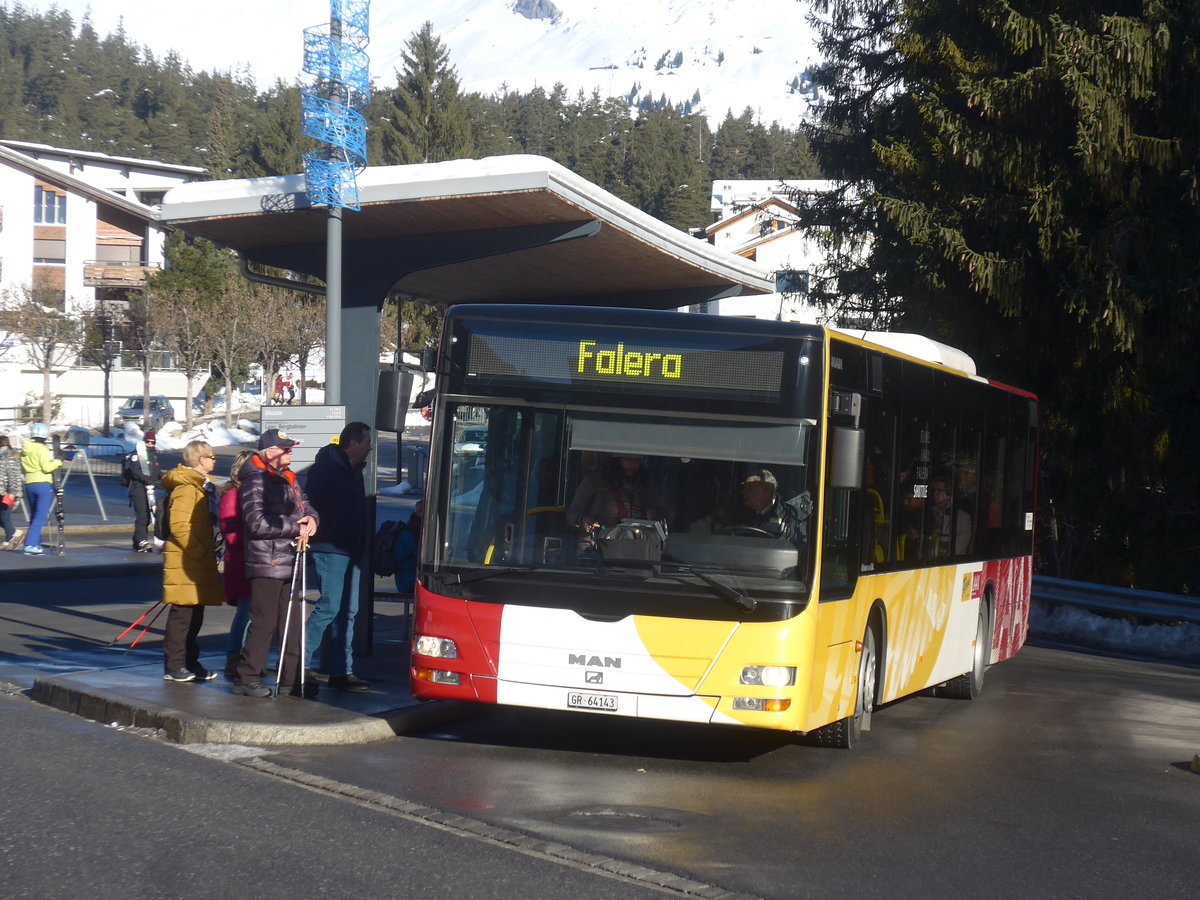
(276, 514)
(144, 478)
(335, 486)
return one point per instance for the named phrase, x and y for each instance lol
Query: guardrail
(1123, 601)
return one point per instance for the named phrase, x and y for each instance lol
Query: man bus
(788, 566)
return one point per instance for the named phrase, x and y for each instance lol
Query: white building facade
(78, 230)
(755, 219)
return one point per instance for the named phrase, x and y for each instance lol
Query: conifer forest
(1018, 179)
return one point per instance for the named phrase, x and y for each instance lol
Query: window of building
(49, 208)
(50, 252)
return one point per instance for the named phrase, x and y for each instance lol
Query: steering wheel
(746, 531)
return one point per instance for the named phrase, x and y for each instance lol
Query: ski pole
(153, 607)
(144, 630)
(303, 555)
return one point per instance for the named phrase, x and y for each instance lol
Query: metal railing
(1121, 601)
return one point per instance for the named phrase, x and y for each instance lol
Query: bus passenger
(620, 490)
(950, 527)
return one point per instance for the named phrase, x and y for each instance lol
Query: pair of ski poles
(299, 572)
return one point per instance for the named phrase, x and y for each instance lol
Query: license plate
(584, 700)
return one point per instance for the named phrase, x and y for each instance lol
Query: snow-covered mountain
(732, 54)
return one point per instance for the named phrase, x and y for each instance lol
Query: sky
(737, 53)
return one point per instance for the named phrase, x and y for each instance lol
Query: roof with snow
(501, 229)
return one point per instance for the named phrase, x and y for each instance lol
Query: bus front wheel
(846, 733)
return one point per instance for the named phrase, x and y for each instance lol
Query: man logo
(582, 659)
(593, 678)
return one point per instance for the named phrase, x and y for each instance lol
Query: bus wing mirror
(428, 359)
(847, 453)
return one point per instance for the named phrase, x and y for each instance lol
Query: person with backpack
(190, 577)
(237, 586)
(140, 472)
(39, 466)
(407, 550)
(12, 489)
(335, 485)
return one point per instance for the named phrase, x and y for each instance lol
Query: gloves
(8, 500)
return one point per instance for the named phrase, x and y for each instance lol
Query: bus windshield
(597, 491)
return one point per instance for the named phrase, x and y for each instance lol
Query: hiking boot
(253, 689)
(309, 691)
(349, 682)
(180, 675)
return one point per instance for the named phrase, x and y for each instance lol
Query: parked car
(472, 440)
(160, 413)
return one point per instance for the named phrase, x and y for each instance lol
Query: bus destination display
(626, 364)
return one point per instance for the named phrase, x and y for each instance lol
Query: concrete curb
(67, 571)
(181, 727)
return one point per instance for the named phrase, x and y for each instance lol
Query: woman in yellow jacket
(190, 578)
(38, 465)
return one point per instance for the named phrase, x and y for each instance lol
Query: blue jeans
(337, 578)
(40, 495)
(239, 626)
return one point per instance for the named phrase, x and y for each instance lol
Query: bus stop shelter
(512, 229)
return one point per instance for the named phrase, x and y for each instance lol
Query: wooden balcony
(107, 273)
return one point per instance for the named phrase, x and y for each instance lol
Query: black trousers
(269, 609)
(181, 650)
(141, 513)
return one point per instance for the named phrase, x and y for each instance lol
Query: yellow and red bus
(598, 539)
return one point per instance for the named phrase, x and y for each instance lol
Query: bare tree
(101, 347)
(230, 331)
(50, 338)
(143, 331)
(307, 320)
(182, 322)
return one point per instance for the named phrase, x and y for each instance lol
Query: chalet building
(756, 219)
(79, 229)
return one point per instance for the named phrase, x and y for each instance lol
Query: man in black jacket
(335, 486)
(144, 478)
(276, 514)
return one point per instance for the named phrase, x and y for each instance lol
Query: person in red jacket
(276, 517)
(237, 586)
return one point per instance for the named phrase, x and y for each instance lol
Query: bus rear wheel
(969, 685)
(846, 733)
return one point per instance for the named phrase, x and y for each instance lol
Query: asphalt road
(1069, 777)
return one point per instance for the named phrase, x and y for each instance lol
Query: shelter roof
(507, 228)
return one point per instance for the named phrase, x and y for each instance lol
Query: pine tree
(428, 122)
(1026, 181)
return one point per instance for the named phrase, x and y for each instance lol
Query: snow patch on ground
(1079, 627)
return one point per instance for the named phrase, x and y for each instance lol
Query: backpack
(383, 548)
(162, 521)
(127, 469)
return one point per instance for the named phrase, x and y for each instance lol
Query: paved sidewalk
(59, 648)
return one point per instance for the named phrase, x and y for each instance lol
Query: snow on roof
(919, 347)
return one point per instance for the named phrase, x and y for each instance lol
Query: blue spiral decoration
(336, 55)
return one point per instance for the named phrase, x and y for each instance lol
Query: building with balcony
(756, 219)
(78, 230)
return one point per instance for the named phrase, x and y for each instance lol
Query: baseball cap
(273, 437)
(755, 476)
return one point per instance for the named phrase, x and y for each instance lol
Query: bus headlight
(442, 648)
(769, 676)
